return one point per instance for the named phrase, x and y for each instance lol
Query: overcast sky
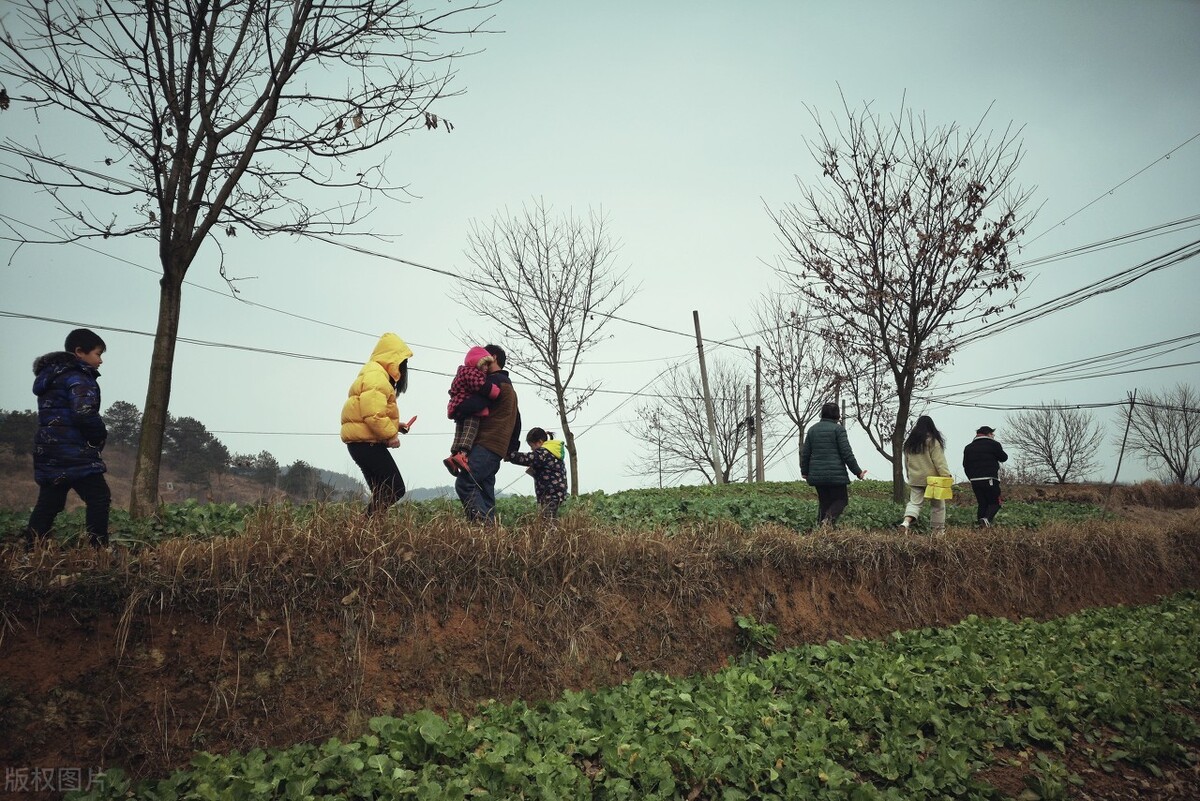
(683, 123)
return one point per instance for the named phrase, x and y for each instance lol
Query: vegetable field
(691, 643)
(919, 715)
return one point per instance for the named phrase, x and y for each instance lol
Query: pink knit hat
(474, 355)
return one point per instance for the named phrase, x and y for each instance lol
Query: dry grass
(311, 622)
(337, 558)
(1145, 494)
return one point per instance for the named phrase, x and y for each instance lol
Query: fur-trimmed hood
(48, 366)
(57, 357)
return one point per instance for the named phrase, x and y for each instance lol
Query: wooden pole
(714, 446)
(760, 475)
(749, 438)
(1124, 439)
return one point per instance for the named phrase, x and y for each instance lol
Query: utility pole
(718, 476)
(759, 475)
(750, 426)
(1124, 439)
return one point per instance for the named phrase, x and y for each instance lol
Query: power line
(272, 352)
(1110, 283)
(1139, 353)
(235, 297)
(942, 399)
(1071, 216)
(1120, 240)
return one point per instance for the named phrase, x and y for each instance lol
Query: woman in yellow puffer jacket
(371, 421)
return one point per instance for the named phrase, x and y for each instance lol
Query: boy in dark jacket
(70, 436)
(981, 463)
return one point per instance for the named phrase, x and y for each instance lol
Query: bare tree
(674, 428)
(216, 116)
(903, 243)
(1055, 441)
(548, 282)
(800, 366)
(1165, 429)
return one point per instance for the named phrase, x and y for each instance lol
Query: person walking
(924, 456)
(824, 459)
(70, 436)
(471, 390)
(981, 465)
(545, 463)
(499, 435)
(371, 421)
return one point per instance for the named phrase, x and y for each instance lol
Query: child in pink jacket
(470, 393)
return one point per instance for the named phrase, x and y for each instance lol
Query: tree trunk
(800, 445)
(899, 485)
(143, 501)
(569, 439)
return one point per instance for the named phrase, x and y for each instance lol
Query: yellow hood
(389, 352)
(555, 446)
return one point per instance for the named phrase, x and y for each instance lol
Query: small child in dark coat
(545, 463)
(70, 436)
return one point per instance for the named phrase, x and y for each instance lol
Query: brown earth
(137, 660)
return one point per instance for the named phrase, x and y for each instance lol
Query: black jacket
(982, 458)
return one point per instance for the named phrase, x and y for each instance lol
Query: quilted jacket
(369, 413)
(70, 432)
(548, 470)
(826, 455)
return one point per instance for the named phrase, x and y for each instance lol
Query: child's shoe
(456, 463)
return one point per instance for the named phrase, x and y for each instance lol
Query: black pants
(987, 495)
(52, 499)
(831, 502)
(379, 469)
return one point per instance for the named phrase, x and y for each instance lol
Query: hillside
(18, 490)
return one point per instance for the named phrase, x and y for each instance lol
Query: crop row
(920, 715)
(790, 505)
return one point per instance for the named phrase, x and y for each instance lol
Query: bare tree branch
(674, 432)
(1056, 442)
(1165, 430)
(905, 242)
(800, 367)
(215, 117)
(549, 286)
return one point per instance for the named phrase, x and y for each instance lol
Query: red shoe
(451, 465)
(460, 461)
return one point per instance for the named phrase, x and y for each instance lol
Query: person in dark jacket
(823, 463)
(545, 463)
(499, 435)
(981, 463)
(70, 436)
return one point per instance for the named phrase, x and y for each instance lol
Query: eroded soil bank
(100, 672)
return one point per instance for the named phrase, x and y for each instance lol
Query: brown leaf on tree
(4, 102)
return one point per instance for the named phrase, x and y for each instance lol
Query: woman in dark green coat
(823, 464)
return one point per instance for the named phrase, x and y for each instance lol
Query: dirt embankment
(138, 660)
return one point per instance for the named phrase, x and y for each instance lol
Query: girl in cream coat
(924, 456)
